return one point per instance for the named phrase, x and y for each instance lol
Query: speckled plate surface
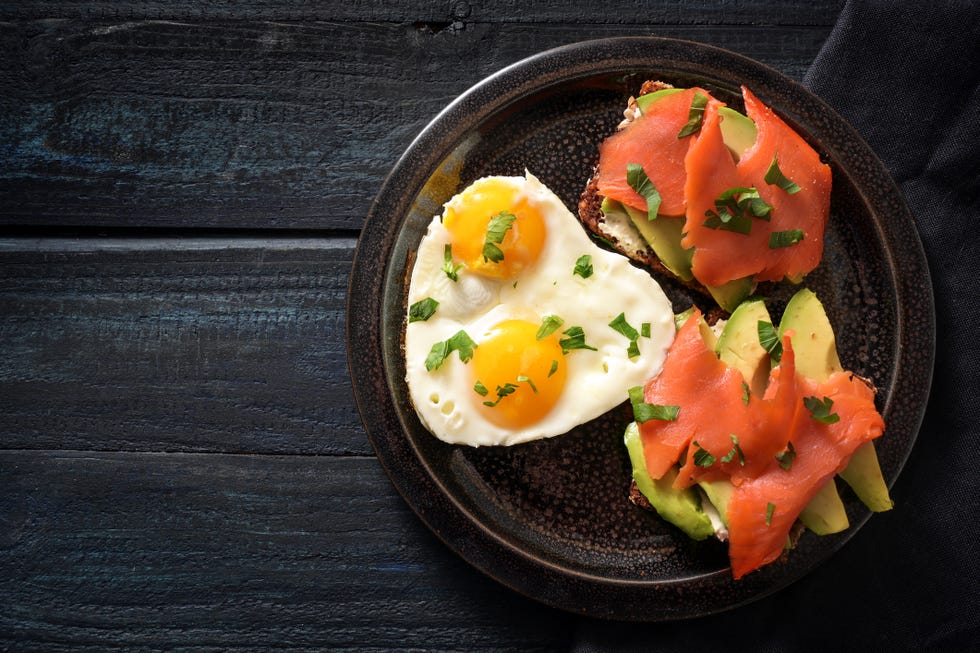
(551, 519)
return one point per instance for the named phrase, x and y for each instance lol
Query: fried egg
(519, 326)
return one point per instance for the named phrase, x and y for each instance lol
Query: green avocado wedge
(816, 358)
(681, 507)
(719, 493)
(731, 294)
(664, 237)
(863, 474)
(737, 131)
(738, 346)
(825, 514)
(644, 101)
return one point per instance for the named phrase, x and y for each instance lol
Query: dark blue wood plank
(257, 125)
(455, 15)
(176, 344)
(245, 553)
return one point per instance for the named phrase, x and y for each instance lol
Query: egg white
(596, 381)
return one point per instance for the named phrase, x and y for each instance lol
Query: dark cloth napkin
(907, 77)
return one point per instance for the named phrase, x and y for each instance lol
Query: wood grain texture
(176, 345)
(244, 553)
(257, 125)
(676, 12)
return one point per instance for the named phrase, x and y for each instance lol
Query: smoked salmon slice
(806, 209)
(691, 373)
(763, 509)
(650, 141)
(720, 255)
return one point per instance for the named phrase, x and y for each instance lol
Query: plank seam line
(103, 452)
(85, 231)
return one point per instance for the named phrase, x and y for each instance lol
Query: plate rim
(560, 587)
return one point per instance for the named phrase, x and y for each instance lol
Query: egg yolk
(476, 218)
(522, 376)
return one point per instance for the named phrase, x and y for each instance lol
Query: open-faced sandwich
(742, 433)
(715, 198)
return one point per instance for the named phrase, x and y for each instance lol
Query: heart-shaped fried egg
(519, 326)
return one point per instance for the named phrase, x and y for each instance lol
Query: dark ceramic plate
(551, 519)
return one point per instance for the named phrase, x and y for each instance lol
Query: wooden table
(182, 186)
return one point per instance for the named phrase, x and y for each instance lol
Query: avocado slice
(719, 493)
(644, 101)
(825, 513)
(731, 294)
(737, 131)
(664, 237)
(814, 342)
(738, 346)
(816, 358)
(863, 474)
(681, 507)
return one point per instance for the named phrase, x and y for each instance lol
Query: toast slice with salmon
(716, 199)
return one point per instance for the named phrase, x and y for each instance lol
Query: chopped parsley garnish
(779, 239)
(460, 342)
(480, 389)
(525, 379)
(554, 368)
(637, 179)
(702, 457)
(620, 325)
(583, 266)
(422, 310)
(769, 340)
(645, 329)
(549, 325)
(575, 340)
(502, 391)
(447, 263)
(787, 457)
(745, 393)
(775, 177)
(644, 412)
(734, 451)
(496, 230)
(770, 509)
(633, 349)
(820, 410)
(735, 208)
(695, 116)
